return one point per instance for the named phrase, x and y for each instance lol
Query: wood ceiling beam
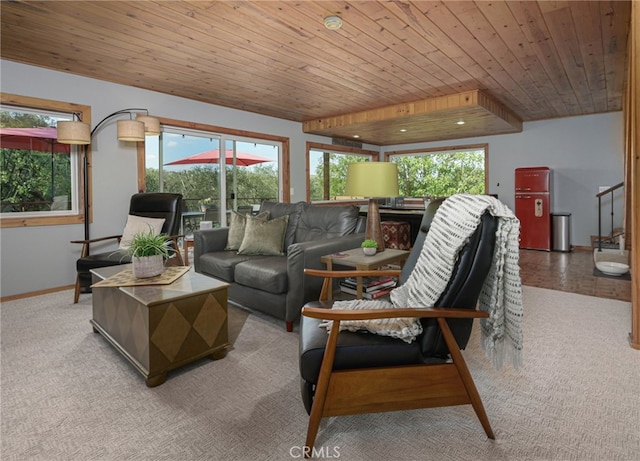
(424, 120)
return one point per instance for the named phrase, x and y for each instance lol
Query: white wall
(37, 258)
(584, 151)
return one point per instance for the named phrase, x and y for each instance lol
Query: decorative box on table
(396, 234)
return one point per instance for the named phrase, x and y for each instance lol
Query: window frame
(443, 149)
(84, 112)
(284, 155)
(375, 156)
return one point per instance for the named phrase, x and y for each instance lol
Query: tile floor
(570, 272)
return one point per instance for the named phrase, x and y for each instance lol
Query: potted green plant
(148, 251)
(369, 247)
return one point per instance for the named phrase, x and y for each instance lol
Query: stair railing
(599, 195)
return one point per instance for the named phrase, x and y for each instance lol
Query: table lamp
(373, 179)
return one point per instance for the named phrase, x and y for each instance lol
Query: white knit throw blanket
(501, 296)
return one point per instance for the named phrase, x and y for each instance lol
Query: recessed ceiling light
(333, 22)
(356, 135)
(460, 122)
(403, 130)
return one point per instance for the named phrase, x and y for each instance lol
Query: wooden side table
(356, 258)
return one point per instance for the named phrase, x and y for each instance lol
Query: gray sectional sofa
(275, 283)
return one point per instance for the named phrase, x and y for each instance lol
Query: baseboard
(36, 293)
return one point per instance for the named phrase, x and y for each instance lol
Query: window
(327, 170)
(40, 183)
(186, 160)
(442, 172)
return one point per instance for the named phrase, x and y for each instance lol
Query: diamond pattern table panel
(160, 330)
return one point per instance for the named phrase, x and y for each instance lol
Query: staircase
(610, 253)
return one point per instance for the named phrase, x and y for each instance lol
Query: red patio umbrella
(42, 139)
(213, 156)
(39, 139)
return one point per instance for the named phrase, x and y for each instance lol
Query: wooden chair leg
(465, 375)
(180, 260)
(289, 326)
(76, 294)
(321, 388)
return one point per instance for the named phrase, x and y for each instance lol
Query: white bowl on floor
(612, 268)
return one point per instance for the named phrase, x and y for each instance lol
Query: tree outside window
(37, 171)
(441, 173)
(421, 173)
(327, 168)
(328, 181)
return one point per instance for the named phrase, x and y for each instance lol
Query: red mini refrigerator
(533, 200)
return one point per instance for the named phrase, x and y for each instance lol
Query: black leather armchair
(351, 373)
(149, 205)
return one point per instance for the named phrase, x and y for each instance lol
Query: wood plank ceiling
(420, 66)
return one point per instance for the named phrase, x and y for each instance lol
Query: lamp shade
(130, 130)
(151, 125)
(73, 132)
(372, 179)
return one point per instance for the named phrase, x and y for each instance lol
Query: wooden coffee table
(162, 327)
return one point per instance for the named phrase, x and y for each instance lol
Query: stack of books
(372, 287)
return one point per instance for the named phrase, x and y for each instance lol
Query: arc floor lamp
(80, 133)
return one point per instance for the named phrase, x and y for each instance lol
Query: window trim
(85, 115)
(284, 155)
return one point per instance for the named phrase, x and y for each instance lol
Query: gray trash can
(561, 228)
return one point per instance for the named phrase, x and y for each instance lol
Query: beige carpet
(66, 394)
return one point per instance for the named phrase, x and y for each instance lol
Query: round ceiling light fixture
(333, 22)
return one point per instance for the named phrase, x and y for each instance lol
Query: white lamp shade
(130, 130)
(73, 132)
(372, 179)
(151, 124)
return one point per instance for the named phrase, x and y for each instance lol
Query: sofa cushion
(266, 273)
(355, 350)
(321, 222)
(95, 261)
(277, 209)
(237, 225)
(264, 237)
(220, 264)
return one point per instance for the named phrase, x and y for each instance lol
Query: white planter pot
(369, 251)
(147, 266)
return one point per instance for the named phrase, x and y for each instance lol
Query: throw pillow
(237, 224)
(293, 210)
(139, 224)
(264, 237)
